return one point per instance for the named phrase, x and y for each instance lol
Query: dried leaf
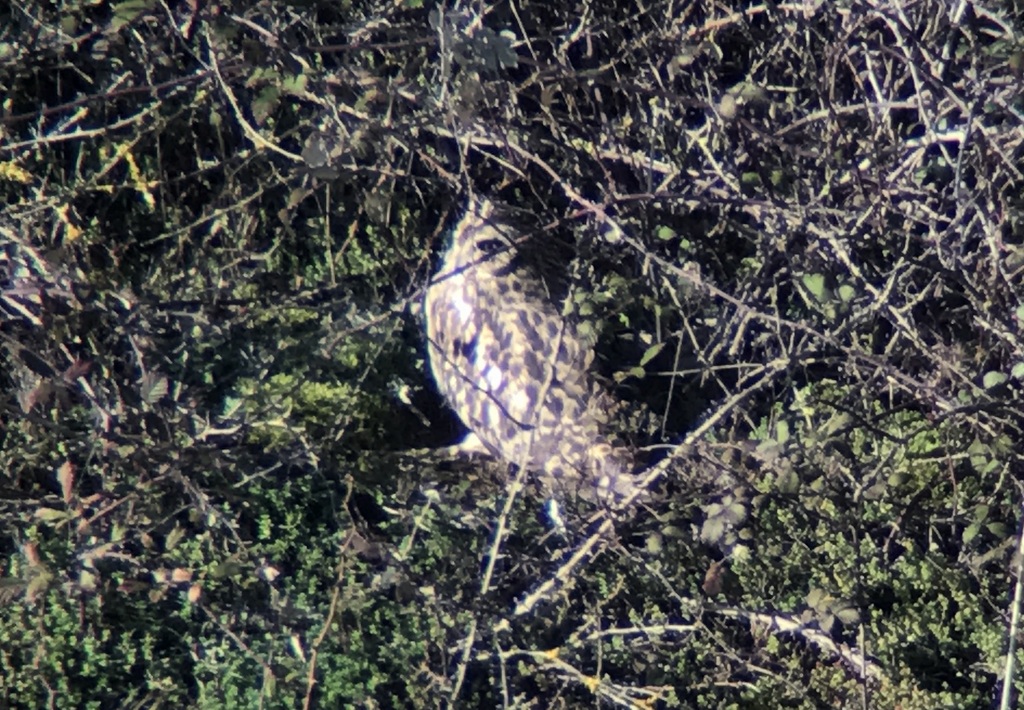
(99, 552)
(131, 586)
(79, 368)
(713, 578)
(31, 551)
(66, 478)
(28, 399)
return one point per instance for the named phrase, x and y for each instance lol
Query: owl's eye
(490, 246)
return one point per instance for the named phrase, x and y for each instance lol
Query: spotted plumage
(514, 370)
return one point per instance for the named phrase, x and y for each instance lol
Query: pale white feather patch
(463, 308)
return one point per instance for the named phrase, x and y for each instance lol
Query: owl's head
(482, 240)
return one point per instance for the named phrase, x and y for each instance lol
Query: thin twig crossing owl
(514, 370)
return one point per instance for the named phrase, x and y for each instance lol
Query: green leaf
(176, 535)
(38, 585)
(826, 623)
(228, 568)
(153, 387)
(126, 12)
(736, 513)
(848, 615)
(838, 421)
(876, 492)
(788, 483)
(993, 378)
(782, 431)
(815, 283)
(815, 597)
(294, 84)
(1000, 530)
(50, 515)
(265, 103)
(896, 478)
(712, 530)
(651, 353)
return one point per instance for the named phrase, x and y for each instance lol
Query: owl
(515, 370)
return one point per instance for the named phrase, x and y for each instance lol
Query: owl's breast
(513, 369)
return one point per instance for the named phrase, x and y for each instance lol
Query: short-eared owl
(513, 369)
